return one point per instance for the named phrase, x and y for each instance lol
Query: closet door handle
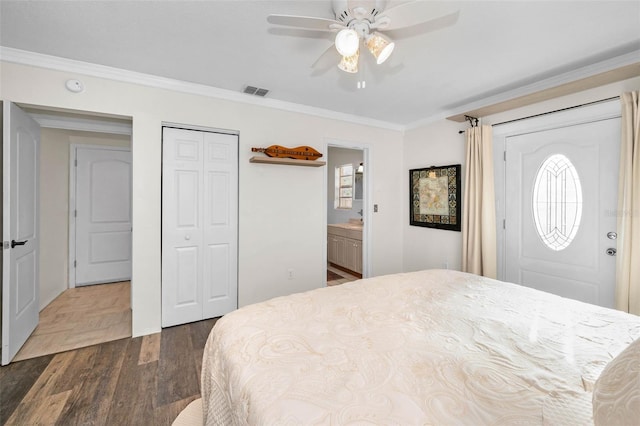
(18, 243)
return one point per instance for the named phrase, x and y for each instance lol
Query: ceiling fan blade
(328, 59)
(424, 27)
(306, 22)
(413, 13)
(301, 33)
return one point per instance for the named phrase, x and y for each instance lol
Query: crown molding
(608, 71)
(23, 57)
(528, 94)
(83, 124)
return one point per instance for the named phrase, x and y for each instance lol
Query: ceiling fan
(362, 23)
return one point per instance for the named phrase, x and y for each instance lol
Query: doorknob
(611, 251)
(18, 243)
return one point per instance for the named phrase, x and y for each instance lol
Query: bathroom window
(344, 187)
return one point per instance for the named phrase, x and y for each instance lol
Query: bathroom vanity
(344, 246)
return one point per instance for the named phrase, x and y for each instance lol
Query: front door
(103, 215)
(20, 228)
(560, 197)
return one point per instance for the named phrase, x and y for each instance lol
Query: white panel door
(182, 234)
(199, 225)
(20, 256)
(558, 247)
(103, 215)
(220, 224)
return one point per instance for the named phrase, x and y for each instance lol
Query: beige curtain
(628, 258)
(478, 207)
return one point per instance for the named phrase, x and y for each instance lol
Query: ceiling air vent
(252, 90)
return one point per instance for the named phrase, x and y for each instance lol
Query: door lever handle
(18, 243)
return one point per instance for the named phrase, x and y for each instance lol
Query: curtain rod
(552, 112)
(557, 110)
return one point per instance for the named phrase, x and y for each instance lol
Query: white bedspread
(430, 347)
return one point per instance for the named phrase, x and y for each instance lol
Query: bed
(428, 347)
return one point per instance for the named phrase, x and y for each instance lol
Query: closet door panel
(199, 225)
(182, 241)
(221, 223)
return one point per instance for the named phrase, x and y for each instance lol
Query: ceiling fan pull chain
(361, 78)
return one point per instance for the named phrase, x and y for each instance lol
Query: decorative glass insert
(557, 202)
(343, 187)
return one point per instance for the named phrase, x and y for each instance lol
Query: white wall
(440, 144)
(281, 212)
(339, 157)
(54, 204)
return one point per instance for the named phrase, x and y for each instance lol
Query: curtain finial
(473, 121)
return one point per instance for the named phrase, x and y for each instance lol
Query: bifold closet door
(199, 225)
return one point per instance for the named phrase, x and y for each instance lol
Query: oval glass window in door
(557, 202)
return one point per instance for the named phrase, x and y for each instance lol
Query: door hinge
(504, 224)
(75, 263)
(75, 213)
(504, 155)
(75, 162)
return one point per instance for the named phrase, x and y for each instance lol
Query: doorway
(59, 130)
(560, 180)
(348, 182)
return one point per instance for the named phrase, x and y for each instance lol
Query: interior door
(220, 224)
(199, 225)
(103, 215)
(561, 198)
(20, 257)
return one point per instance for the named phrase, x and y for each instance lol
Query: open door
(20, 229)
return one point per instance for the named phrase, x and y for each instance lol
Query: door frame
(604, 110)
(73, 198)
(367, 203)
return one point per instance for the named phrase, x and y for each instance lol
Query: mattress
(428, 347)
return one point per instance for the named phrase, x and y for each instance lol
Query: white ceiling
(493, 47)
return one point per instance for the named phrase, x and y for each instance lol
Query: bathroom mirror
(357, 193)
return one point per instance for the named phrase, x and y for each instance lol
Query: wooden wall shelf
(287, 161)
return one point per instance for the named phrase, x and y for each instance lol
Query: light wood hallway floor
(81, 317)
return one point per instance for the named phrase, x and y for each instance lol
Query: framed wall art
(434, 196)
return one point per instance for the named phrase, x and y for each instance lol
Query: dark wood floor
(143, 381)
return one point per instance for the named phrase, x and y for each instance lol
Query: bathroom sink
(348, 225)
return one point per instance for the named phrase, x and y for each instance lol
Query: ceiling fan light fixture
(347, 42)
(380, 47)
(350, 63)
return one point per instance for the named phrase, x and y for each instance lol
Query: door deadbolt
(611, 251)
(612, 235)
